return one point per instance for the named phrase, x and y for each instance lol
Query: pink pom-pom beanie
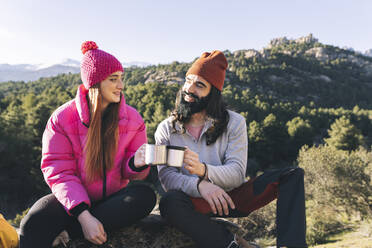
(96, 64)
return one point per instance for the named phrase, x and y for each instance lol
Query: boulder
(165, 77)
(152, 232)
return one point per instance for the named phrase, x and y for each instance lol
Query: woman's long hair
(102, 137)
(216, 110)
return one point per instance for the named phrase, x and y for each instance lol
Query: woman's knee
(144, 196)
(45, 211)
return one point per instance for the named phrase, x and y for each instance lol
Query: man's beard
(187, 109)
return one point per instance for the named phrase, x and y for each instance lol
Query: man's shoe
(240, 242)
(62, 238)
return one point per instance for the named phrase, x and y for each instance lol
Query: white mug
(175, 155)
(155, 154)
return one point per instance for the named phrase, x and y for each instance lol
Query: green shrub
(17, 220)
(338, 189)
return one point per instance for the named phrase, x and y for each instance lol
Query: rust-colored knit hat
(212, 67)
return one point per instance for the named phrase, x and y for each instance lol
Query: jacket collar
(208, 123)
(82, 106)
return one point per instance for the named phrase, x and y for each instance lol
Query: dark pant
(192, 215)
(47, 218)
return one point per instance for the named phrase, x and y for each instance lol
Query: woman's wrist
(78, 209)
(136, 168)
(83, 215)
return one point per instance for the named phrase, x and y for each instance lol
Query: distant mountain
(368, 53)
(29, 72)
(135, 64)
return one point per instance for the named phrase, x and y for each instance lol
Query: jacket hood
(82, 105)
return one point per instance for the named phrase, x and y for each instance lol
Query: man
(212, 179)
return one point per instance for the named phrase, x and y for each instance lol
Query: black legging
(47, 218)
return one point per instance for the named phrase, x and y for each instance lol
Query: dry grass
(357, 239)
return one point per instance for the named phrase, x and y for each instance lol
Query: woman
(92, 147)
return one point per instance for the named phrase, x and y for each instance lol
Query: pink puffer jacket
(63, 157)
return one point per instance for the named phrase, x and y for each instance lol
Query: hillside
(301, 70)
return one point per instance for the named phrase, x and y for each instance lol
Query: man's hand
(217, 198)
(92, 228)
(139, 156)
(193, 164)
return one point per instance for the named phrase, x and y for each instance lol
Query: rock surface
(151, 232)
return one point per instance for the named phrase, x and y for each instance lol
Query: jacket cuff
(134, 168)
(77, 210)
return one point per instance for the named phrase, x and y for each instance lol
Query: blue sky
(163, 31)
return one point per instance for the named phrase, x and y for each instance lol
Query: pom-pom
(88, 45)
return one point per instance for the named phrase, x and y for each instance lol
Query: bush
(338, 184)
(17, 220)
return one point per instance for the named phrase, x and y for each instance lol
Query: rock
(164, 77)
(152, 232)
(368, 69)
(277, 42)
(247, 53)
(318, 52)
(309, 39)
(368, 53)
(323, 78)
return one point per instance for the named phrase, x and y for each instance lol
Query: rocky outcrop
(151, 232)
(309, 39)
(368, 53)
(278, 42)
(163, 76)
(319, 53)
(324, 55)
(249, 53)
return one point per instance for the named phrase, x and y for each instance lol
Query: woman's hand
(92, 228)
(217, 198)
(139, 156)
(193, 164)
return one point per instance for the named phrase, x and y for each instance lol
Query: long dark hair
(216, 110)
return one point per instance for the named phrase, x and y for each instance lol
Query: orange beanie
(212, 67)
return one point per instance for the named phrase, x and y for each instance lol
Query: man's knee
(172, 202)
(299, 172)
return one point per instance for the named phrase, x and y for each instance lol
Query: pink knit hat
(96, 64)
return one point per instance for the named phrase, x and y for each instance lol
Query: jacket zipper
(104, 176)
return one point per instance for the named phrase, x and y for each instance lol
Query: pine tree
(343, 135)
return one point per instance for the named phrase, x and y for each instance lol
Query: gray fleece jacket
(226, 159)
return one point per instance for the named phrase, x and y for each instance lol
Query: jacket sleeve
(231, 174)
(139, 138)
(170, 177)
(59, 167)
